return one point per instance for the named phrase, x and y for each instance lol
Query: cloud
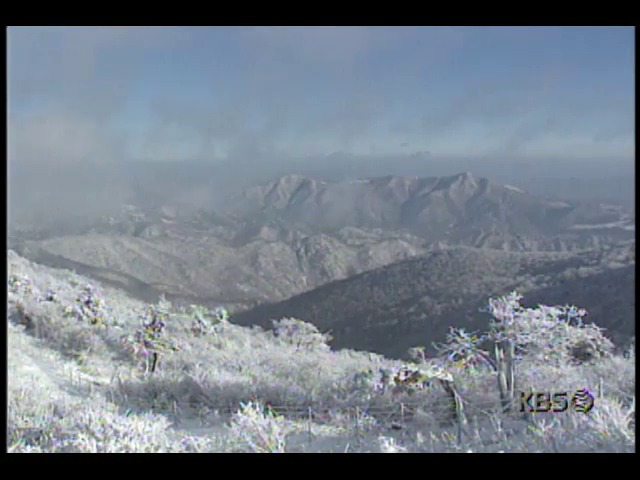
(83, 67)
(212, 131)
(527, 132)
(70, 86)
(62, 137)
(333, 48)
(490, 102)
(67, 85)
(270, 92)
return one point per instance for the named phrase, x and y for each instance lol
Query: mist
(103, 116)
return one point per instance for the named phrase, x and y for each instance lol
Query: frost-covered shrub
(78, 343)
(388, 445)
(49, 296)
(613, 423)
(258, 429)
(462, 350)
(74, 340)
(221, 314)
(630, 349)
(365, 381)
(417, 354)
(301, 334)
(97, 428)
(103, 430)
(401, 380)
(148, 341)
(553, 335)
(89, 307)
(20, 284)
(362, 386)
(543, 333)
(588, 344)
(204, 321)
(27, 413)
(546, 333)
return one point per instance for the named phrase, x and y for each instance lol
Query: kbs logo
(536, 402)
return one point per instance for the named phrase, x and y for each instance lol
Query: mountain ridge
(297, 233)
(392, 308)
(458, 207)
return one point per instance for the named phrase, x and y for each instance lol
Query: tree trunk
(154, 362)
(505, 375)
(457, 410)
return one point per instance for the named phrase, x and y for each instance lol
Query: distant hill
(414, 302)
(237, 268)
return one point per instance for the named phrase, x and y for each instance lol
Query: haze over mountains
(42, 195)
(324, 248)
(460, 209)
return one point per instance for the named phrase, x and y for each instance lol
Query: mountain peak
(465, 180)
(292, 177)
(463, 208)
(466, 177)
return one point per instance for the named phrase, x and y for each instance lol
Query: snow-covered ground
(74, 389)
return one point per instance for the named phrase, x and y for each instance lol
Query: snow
(604, 225)
(515, 189)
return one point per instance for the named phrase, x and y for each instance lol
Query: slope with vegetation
(80, 381)
(263, 265)
(388, 309)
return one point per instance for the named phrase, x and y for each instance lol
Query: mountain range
(460, 209)
(373, 259)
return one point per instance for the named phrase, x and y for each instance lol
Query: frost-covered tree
(148, 341)
(301, 334)
(547, 334)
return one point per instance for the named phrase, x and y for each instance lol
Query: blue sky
(100, 94)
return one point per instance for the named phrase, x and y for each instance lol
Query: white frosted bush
(546, 332)
(301, 334)
(388, 445)
(612, 422)
(259, 430)
(103, 430)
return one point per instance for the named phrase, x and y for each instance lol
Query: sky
(112, 94)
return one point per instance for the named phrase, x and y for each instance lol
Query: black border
(255, 15)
